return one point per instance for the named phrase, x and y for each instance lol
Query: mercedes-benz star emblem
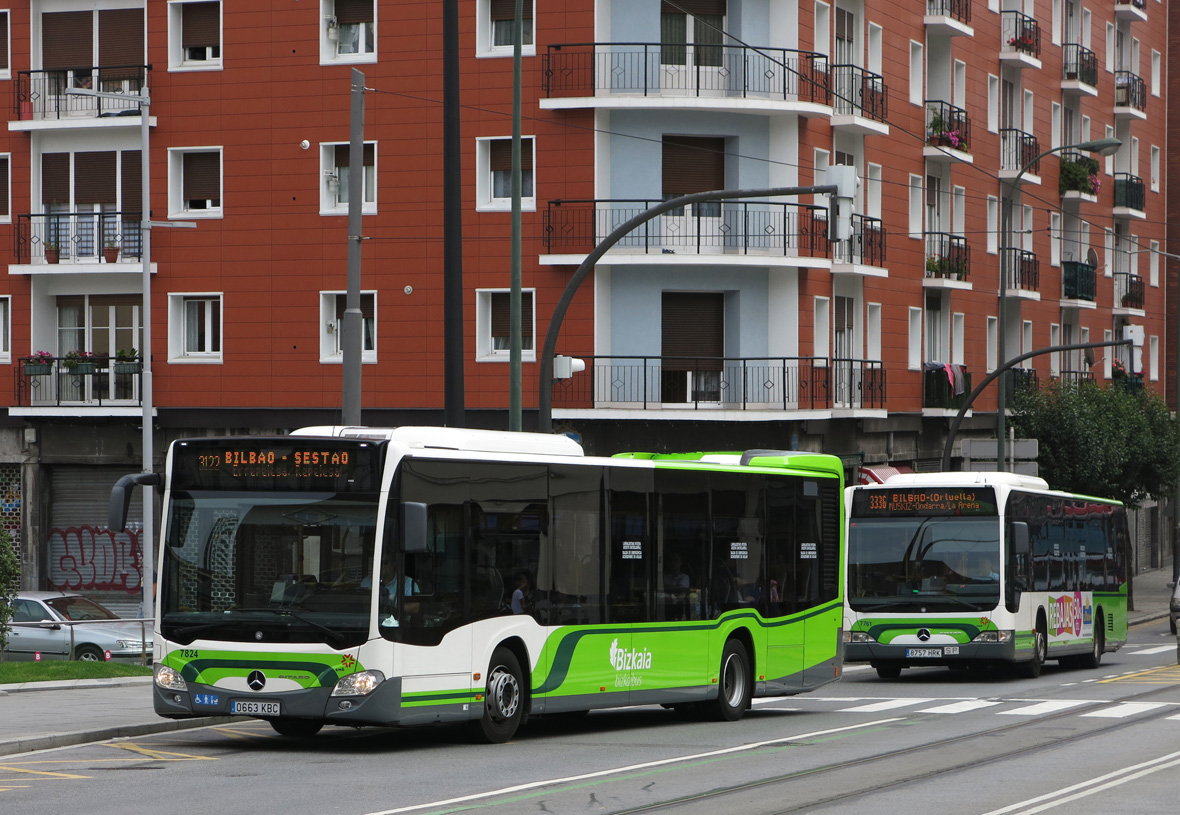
(923, 635)
(257, 680)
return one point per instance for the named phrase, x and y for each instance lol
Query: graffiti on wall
(95, 558)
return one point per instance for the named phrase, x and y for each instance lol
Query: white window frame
(1155, 168)
(1054, 238)
(1055, 125)
(1153, 357)
(1156, 72)
(992, 333)
(484, 349)
(914, 360)
(1108, 358)
(177, 57)
(5, 328)
(1108, 161)
(485, 36)
(330, 328)
(993, 103)
(177, 325)
(1153, 264)
(917, 73)
(873, 331)
(6, 73)
(1110, 48)
(1055, 357)
(330, 181)
(958, 338)
(917, 205)
(177, 203)
(993, 225)
(484, 200)
(6, 192)
(329, 43)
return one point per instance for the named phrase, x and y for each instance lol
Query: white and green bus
(963, 569)
(358, 576)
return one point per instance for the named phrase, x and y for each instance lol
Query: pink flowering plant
(39, 358)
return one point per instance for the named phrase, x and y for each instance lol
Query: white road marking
(1041, 708)
(1124, 709)
(960, 707)
(889, 704)
(1159, 649)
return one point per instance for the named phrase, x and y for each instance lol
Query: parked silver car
(93, 640)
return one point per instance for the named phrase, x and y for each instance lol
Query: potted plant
(127, 361)
(81, 362)
(936, 266)
(110, 251)
(52, 252)
(937, 129)
(38, 363)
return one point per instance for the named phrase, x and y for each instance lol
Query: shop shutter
(202, 176)
(201, 24)
(83, 555)
(502, 314)
(695, 7)
(500, 155)
(55, 178)
(94, 178)
(692, 326)
(67, 40)
(353, 12)
(693, 164)
(343, 151)
(506, 10)
(121, 43)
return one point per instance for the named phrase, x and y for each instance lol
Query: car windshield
(243, 566)
(80, 609)
(932, 564)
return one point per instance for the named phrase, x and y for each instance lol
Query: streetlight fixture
(1103, 147)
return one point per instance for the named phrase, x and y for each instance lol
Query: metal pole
(453, 410)
(1001, 323)
(352, 326)
(148, 463)
(514, 331)
(545, 392)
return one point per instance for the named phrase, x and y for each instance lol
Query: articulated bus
(963, 569)
(407, 576)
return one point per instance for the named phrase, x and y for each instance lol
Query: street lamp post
(1104, 147)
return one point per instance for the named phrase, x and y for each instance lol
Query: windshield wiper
(877, 606)
(333, 637)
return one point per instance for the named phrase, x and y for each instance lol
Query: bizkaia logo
(624, 660)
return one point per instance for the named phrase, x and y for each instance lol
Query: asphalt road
(1078, 741)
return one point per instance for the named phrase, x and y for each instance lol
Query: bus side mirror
(1020, 544)
(121, 497)
(413, 535)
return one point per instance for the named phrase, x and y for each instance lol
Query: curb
(70, 684)
(121, 732)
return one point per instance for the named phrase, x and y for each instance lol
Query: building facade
(978, 234)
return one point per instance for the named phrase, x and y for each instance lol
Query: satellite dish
(1089, 357)
(1092, 258)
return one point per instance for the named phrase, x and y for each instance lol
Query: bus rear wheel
(1094, 658)
(733, 683)
(503, 700)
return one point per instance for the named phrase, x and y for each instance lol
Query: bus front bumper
(914, 655)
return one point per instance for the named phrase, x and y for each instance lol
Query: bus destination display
(257, 464)
(915, 501)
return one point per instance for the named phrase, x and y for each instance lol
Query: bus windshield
(924, 564)
(267, 567)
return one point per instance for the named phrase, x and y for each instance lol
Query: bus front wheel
(733, 683)
(887, 670)
(503, 701)
(296, 728)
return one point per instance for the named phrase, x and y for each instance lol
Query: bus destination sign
(923, 501)
(252, 463)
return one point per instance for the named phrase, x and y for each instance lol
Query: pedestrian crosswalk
(949, 706)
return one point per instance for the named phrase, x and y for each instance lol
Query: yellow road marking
(1167, 675)
(41, 773)
(160, 755)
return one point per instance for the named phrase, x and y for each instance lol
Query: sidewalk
(41, 715)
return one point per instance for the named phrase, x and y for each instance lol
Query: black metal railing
(940, 390)
(866, 246)
(957, 9)
(1129, 291)
(39, 95)
(947, 126)
(738, 227)
(1139, 4)
(654, 69)
(1020, 33)
(1019, 150)
(857, 383)
(857, 92)
(1020, 380)
(1024, 270)
(1078, 173)
(1128, 191)
(57, 381)
(651, 382)
(1075, 378)
(947, 256)
(1130, 91)
(1079, 63)
(78, 237)
(1077, 280)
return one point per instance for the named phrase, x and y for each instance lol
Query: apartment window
(993, 225)
(5, 329)
(992, 333)
(5, 46)
(1055, 357)
(915, 339)
(5, 188)
(692, 164)
(493, 325)
(1054, 238)
(493, 183)
(1155, 168)
(1153, 264)
(336, 161)
(493, 28)
(821, 342)
(1153, 358)
(332, 307)
(194, 182)
(958, 338)
(349, 31)
(993, 104)
(1156, 73)
(917, 74)
(194, 327)
(915, 208)
(194, 35)
(873, 332)
(692, 33)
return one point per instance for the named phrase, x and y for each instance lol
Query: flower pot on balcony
(38, 368)
(52, 254)
(85, 368)
(110, 254)
(128, 367)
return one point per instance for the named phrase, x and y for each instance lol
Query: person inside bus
(986, 571)
(522, 595)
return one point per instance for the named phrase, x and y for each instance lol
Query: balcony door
(692, 48)
(81, 193)
(102, 325)
(72, 58)
(693, 164)
(844, 356)
(692, 346)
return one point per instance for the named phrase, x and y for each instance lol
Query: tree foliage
(1115, 442)
(9, 583)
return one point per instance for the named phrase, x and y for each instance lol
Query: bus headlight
(858, 636)
(358, 684)
(169, 679)
(993, 636)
